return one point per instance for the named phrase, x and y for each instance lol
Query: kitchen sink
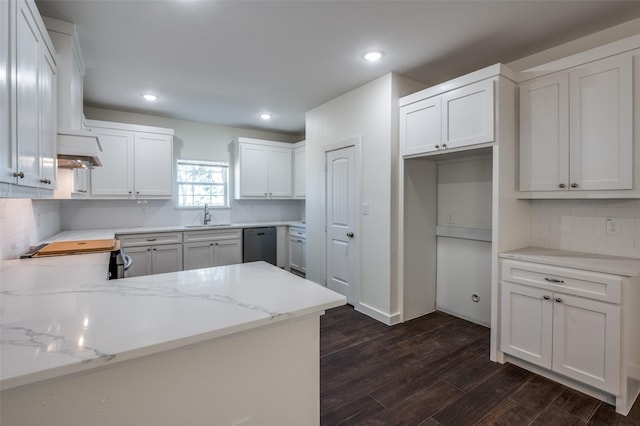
(215, 225)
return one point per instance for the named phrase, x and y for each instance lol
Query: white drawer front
(298, 232)
(136, 240)
(592, 285)
(212, 235)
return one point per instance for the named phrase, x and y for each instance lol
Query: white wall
(370, 111)
(192, 140)
(26, 222)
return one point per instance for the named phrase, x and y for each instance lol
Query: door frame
(356, 143)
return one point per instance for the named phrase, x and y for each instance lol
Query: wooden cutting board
(74, 247)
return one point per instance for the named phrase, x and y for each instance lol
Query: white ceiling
(225, 61)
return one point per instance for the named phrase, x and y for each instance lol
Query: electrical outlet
(613, 227)
(450, 220)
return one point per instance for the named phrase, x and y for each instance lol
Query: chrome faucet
(207, 215)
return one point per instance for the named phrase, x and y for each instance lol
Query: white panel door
(601, 125)
(166, 258)
(340, 216)
(153, 164)
(198, 255)
(421, 126)
(254, 171)
(227, 252)
(7, 142)
(586, 341)
(141, 261)
(467, 115)
(27, 128)
(48, 88)
(526, 323)
(544, 134)
(280, 179)
(115, 177)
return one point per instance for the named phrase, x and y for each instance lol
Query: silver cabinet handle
(47, 181)
(545, 297)
(553, 280)
(350, 234)
(562, 185)
(574, 185)
(151, 239)
(19, 174)
(558, 300)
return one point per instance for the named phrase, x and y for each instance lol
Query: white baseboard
(377, 314)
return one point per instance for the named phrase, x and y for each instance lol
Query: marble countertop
(625, 266)
(99, 234)
(60, 315)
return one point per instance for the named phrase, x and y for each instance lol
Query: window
(202, 182)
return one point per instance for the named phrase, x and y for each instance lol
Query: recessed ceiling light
(373, 55)
(265, 116)
(149, 97)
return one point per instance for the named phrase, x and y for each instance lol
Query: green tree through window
(202, 182)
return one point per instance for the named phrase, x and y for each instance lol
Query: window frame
(209, 163)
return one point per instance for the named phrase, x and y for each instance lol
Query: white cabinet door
(115, 177)
(586, 341)
(280, 166)
(254, 171)
(526, 323)
(141, 261)
(153, 164)
(28, 48)
(467, 115)
(421, 126)
(296, 253)
(227, 252)
(299, 172)
(48, 88)
(166, 258)
(198, 255)
(601, 125)
(8, 155)
(544, 134)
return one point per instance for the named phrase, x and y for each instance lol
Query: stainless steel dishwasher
(259, 244)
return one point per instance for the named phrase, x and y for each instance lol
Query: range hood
(78, 149)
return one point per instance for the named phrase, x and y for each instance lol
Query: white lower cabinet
(573, 323)
(153, 253)
(204, 249)
(297, 243)
(573, 336)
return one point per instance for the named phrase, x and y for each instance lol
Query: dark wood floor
(435, 370)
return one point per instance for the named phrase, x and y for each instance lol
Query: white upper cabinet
(453, 115)
(467, 115)
(137, 161)
(601, 125)
(420, 126)
(299, 170)
(8, 156)
(576, 132)
(544, 134)
(262, 169)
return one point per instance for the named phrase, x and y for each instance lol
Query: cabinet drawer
(592, 285)
(297, 232)
(212, 235)
(136, 240)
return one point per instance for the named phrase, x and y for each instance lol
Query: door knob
(350, 234)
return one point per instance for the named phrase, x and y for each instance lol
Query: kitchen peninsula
(236, 344)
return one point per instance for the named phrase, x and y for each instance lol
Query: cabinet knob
(148, 249)
(558, 300)
(545, 297)
(437, 146)
(19, 174)
(350, 234)
(444, 146)
(137, 192)
(130, 192)
(574, 185)
(562, 185)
